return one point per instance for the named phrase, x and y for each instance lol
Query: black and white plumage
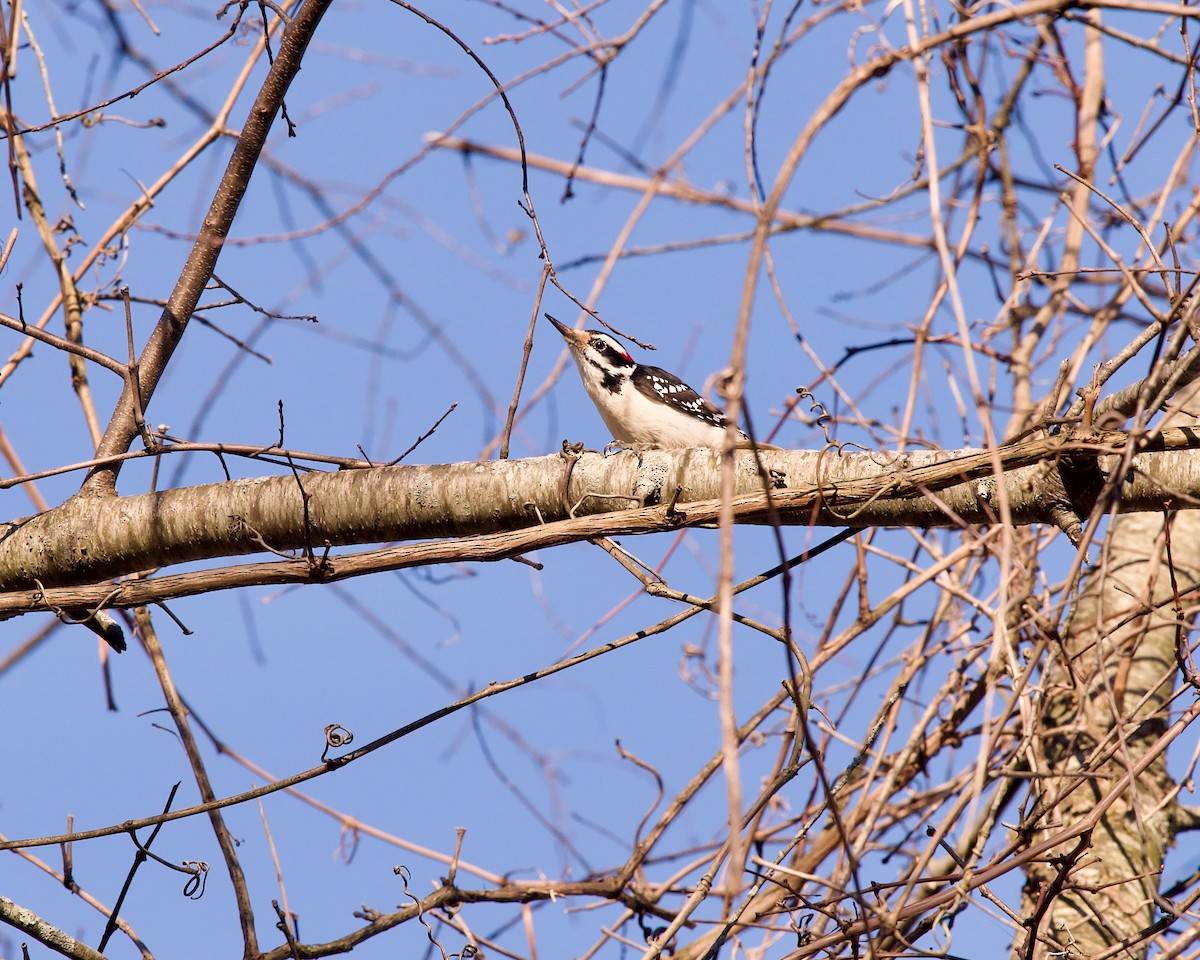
(643, 405)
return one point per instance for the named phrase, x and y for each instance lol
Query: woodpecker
(642, 405)
(101, 623)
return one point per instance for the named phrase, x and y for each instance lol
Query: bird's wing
(659, 385)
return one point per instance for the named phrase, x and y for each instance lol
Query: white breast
(636, 419)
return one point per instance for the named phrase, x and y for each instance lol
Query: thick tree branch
(31, 925)
(498, 509)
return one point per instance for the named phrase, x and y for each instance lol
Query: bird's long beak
(574, 338)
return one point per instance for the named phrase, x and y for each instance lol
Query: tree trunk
(1105, 702)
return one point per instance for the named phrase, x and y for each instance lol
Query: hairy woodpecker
(102, 624)
(641, 405)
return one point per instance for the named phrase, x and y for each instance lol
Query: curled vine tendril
(336, 736)
(821, 416)
(193, 889)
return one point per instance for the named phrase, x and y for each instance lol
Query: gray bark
(1105, 703)
(88, 540)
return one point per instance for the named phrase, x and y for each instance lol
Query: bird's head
(593, 348)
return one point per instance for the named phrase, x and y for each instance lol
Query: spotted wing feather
(664, 387)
